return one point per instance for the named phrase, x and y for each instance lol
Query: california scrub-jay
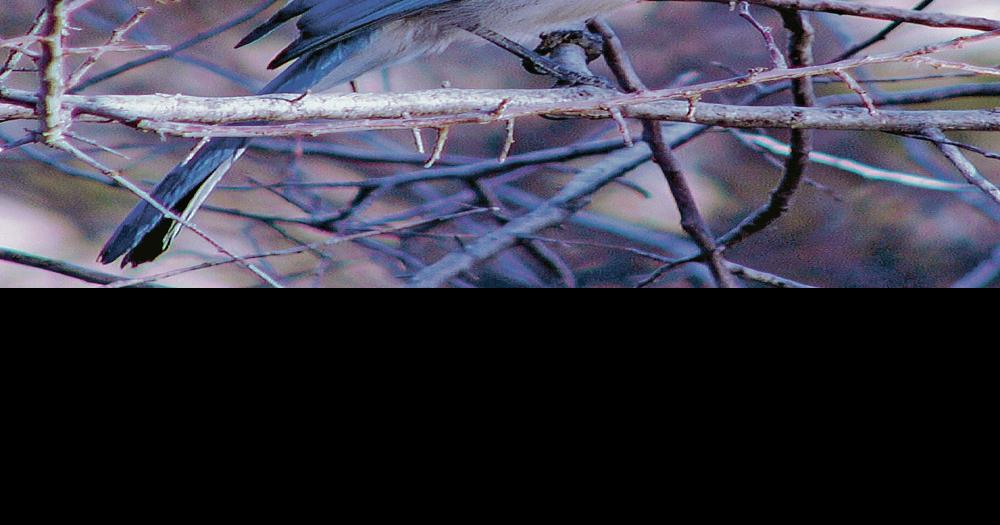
(339, 40)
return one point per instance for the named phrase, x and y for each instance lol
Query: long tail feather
(145, 233)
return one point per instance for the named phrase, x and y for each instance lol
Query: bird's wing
(327, 22)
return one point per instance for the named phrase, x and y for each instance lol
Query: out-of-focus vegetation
(842, 230)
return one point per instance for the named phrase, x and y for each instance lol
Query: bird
(338, 41)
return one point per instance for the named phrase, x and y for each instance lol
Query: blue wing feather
(332, 33)
(328, 22)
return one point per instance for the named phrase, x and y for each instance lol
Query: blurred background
(842, 231)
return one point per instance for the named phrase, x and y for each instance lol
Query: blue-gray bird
(338, 41)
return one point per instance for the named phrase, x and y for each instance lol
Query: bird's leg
(542, 64)
(591, 43)
(572, 49)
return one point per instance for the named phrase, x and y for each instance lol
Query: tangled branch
(483, 225)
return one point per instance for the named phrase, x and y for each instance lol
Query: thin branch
(801, 54)
(964, 165)
(62, 268)
(851, 8)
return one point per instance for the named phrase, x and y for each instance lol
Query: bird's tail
(145, 233)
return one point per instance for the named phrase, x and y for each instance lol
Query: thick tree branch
(197, 117)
